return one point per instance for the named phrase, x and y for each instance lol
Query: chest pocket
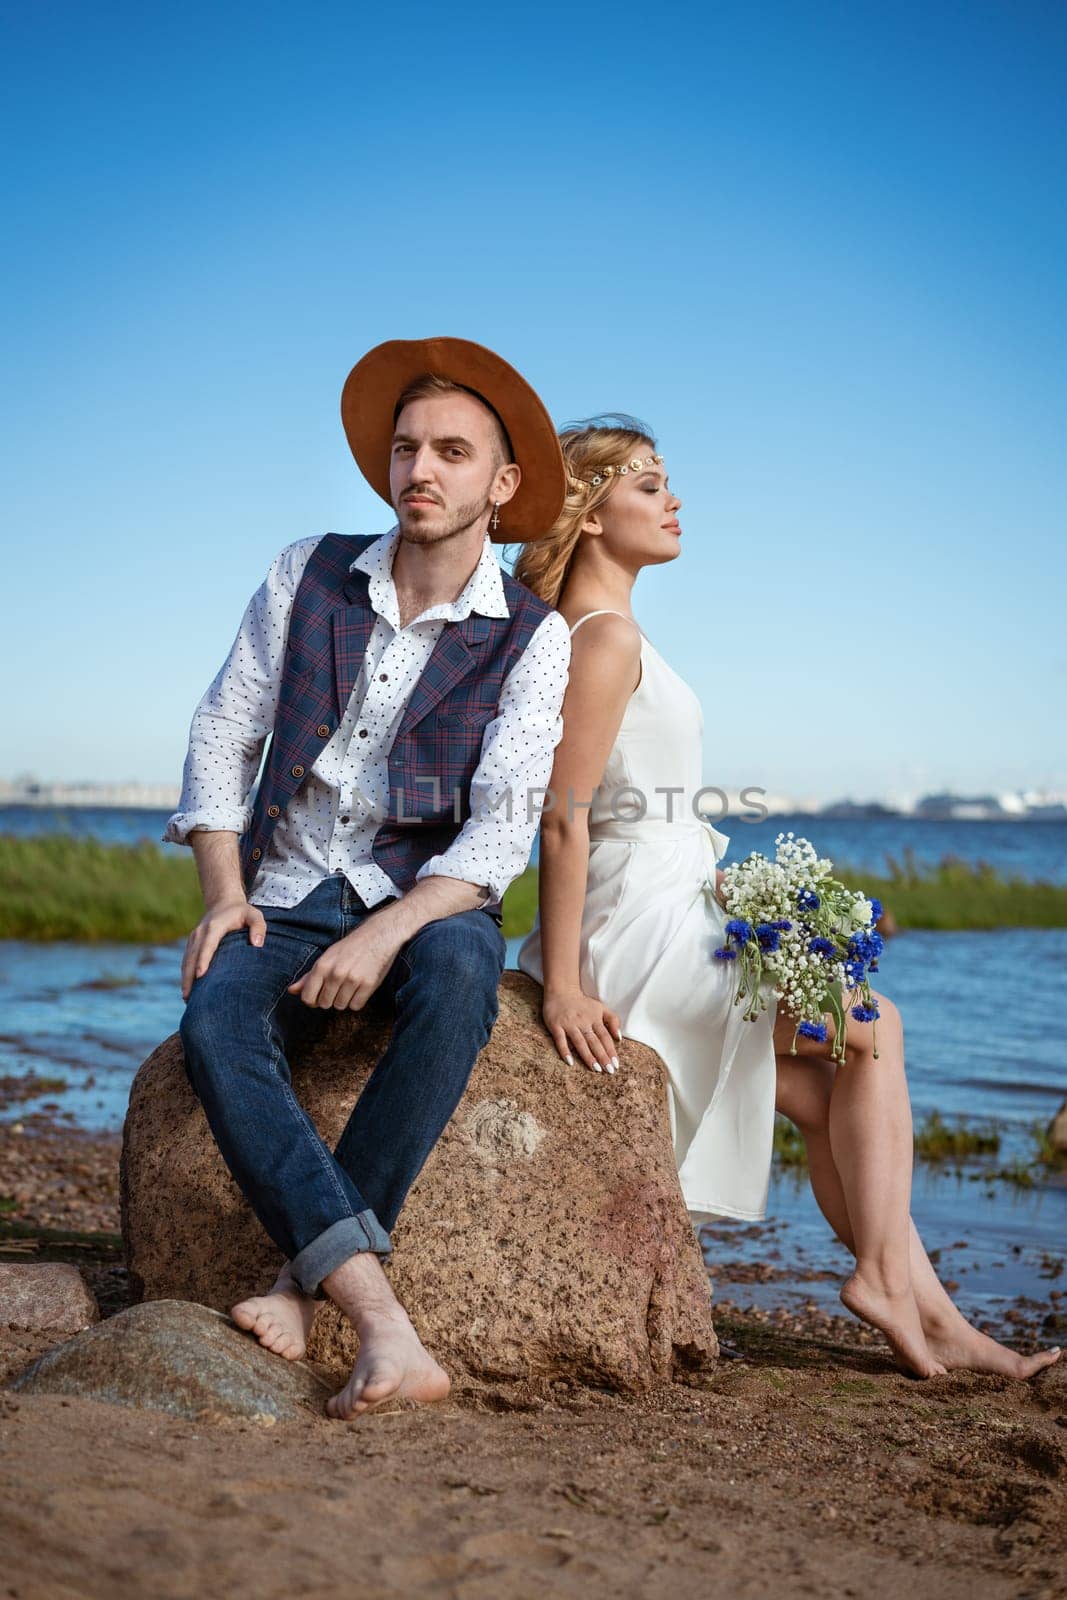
(464, 719)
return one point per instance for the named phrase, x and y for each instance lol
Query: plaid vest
(439, 736)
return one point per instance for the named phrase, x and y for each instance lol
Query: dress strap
(606, 612)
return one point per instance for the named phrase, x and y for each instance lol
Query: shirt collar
(483, 592)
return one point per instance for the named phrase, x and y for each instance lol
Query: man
(412, 692)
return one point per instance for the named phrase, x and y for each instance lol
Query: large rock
(545, 1237)
(180, 1358)
(45, 1297)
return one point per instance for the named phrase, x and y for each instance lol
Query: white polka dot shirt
(329, 825)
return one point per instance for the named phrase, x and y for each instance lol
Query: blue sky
(820, 247)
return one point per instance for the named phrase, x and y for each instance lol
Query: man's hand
(204, 940)
(346, 975)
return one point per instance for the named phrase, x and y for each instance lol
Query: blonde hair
(543, 565)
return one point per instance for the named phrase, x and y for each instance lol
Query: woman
(629, 918)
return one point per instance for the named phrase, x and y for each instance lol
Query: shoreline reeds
(60, 886)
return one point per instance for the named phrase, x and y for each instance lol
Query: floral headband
(638, 464)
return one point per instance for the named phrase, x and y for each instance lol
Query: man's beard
(457, 521)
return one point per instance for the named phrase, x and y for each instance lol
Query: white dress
(650, 925)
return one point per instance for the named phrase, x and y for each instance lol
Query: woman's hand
(579, 1022)
(719, 876)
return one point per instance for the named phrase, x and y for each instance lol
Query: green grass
(1046, 1154)
(935, 1141)
(1021, 1173)
(938, 1140)
(520, 905)
(60, 887)
(789, 1148)
(953, 895)
(956, 895)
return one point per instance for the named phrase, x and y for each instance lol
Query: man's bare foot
(392, 1363)
(281, 1319)
(897, 1316)
(962, 1347)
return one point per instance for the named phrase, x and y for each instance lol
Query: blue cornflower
(855, 972)
(866, 945)
(812, 1030)
(737, 928)
(785, 926)
(876, 911)
(768, 935)
(725, 955)
(821, 947)
(866, 1013)
(808, 900)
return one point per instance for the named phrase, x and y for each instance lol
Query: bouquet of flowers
(800, 931)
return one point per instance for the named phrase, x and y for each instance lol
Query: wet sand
(810, 1465)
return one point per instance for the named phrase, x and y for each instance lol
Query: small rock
(171, 1355)
(45, 1297)
(1057, 1130)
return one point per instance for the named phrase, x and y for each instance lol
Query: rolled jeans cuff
(348, 1237)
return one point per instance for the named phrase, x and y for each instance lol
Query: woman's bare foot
(963, 1347)
(897, 1316)
(393, 1364)
(281, 1319)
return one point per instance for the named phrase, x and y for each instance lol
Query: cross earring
(494, 521)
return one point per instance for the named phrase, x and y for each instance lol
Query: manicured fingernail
(569, 1060)
(614, 1063)
(597, 1067)
(611, 1069)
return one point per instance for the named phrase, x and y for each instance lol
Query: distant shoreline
(835, 811)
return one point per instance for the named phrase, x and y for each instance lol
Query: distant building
(29, 791)
(960, 808)
(858, 808)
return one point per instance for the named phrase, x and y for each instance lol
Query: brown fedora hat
(376, 383)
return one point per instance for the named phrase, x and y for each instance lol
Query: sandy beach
(809, 1466)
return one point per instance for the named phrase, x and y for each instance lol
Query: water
(110, 824)
(981, 1012)
(87, 1015)
(1036, 851)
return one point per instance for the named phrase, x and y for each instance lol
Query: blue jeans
(320, 1206)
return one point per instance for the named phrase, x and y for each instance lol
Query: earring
(494, 521)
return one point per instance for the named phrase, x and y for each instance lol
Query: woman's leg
(870, 1141)
(805, 1090)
